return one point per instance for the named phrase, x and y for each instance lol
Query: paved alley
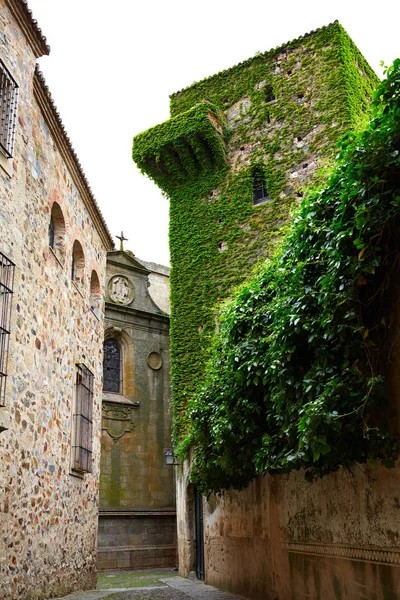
(150, 585)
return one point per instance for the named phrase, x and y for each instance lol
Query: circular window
(154, 360)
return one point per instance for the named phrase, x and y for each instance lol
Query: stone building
(53, 245)
(137, 520)
(236, 155)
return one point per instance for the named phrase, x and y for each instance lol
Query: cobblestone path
(149, 585)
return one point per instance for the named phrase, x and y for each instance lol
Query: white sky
(113, 65)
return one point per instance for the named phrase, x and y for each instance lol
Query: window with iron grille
(112, 366)
(82, 422)
(8, 110)
(6, 291)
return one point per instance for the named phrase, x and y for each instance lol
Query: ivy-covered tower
(236, 156)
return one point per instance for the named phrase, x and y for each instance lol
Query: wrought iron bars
(82, 426)
(8, 110)
(6, 290)
(112, 366)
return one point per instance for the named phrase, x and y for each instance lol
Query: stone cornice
(59, 134)
(141, 314)
(29, 27)
(350, 552)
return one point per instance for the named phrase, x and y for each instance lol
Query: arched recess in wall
(77, 263)
(117, 341)
(95, 293)
(56, 232)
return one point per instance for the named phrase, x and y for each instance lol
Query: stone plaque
(120, 290)
(117, 420)
(154, 360)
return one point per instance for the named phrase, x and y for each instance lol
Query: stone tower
(235, 158)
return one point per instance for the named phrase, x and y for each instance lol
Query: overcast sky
(113, 65)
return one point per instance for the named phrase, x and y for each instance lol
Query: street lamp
(170, 458)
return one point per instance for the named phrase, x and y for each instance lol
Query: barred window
(82, 423)
(6, 291)
(8, 110)
(112, 366)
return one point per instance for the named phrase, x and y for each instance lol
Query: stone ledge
(138, 513)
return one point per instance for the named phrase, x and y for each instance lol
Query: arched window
(260, 193)
(95, 292)
(112, 366)
(77, 263)
(56, 232)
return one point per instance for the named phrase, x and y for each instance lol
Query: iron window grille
(82, 425)
(6, 290)
(8, 110)
(112, 366)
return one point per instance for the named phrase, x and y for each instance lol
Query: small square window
(82, 421)
(8, 110)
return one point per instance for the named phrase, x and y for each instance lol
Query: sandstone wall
(48, 518)
(283, 538)
(137, 524)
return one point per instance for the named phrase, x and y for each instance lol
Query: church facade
(137, 519)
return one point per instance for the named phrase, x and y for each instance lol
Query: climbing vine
(296, 374)
(279, 114)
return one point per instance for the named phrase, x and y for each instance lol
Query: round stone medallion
(154, 360)
(120, 290)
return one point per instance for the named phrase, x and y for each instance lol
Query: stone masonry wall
(48, 517)
(137, 521)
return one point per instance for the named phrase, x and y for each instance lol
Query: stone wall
(159, 285)
(285, 538)
(48, 516)
(137, 525)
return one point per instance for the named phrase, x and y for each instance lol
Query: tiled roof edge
(53, 120)
(29, 26)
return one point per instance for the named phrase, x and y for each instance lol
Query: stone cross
(121, 238)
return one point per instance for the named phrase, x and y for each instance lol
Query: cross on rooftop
(122, 239)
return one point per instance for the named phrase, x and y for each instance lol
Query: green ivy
(321, 85)
(186, 148)
(296, 375)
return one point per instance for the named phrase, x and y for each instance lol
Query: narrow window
(112, 366)
(95, 292)
(269, 94)
(51, 233)
(56, 232)
(82, 422)
(77, 262)
(6, 291)
(260, 193)
(8, 110)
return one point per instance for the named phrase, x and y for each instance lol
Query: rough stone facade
(48, 513)
(137, 521)
(281, 537)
